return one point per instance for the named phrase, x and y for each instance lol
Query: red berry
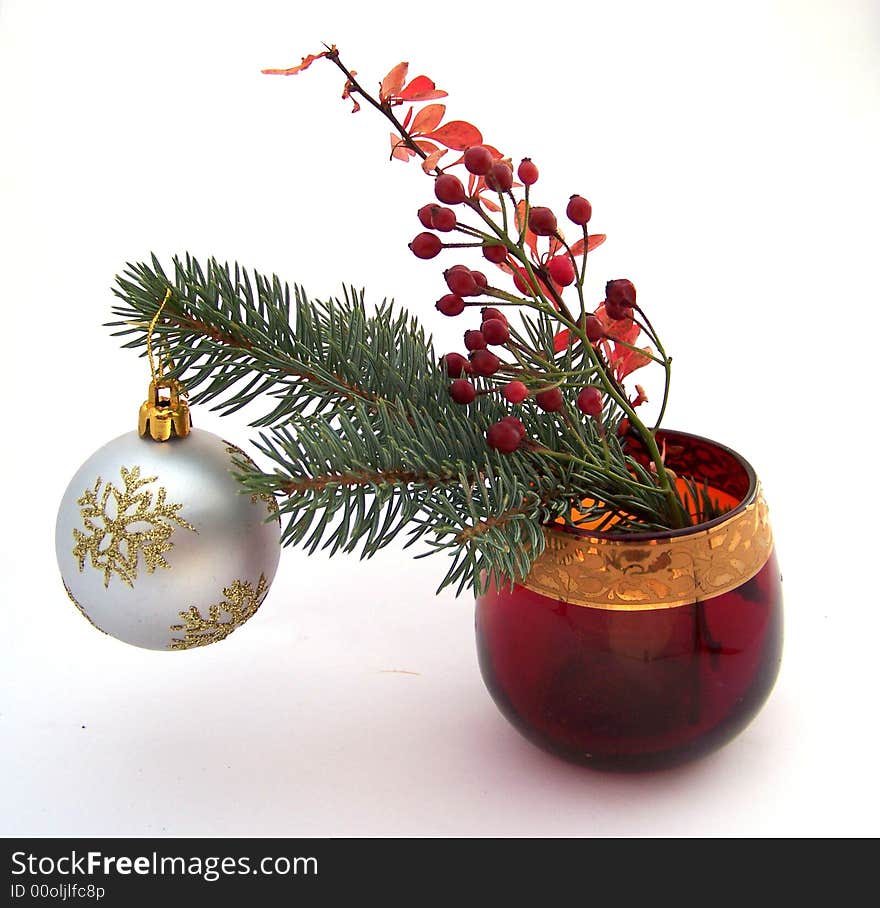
(425, 214)
(515, 392)
(495, 253)
(579, 210)
(589, 401)
(503, 437)
(561, 270)
(478, 160)
(594, 329)
(462, 391)
(456, 364)
(549, 400)
(484, 362)
(517, 424)
(449, 189)
(617, 312)
(443, 219)
(426, 245)
(474, 340)
(542, 221)
(527, 172)
(481, 280)
(620, 297)
(461, 281)
(435, 217)
(621, 291)
(450, 304)
(488, 313)
(495, 331)
(499, 177)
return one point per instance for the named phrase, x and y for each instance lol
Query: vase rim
(651, 535)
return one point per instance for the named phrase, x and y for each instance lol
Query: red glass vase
(636, 652)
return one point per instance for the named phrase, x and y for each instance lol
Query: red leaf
(398, 149)
(496, 154)
(430, 162)
(306, 63)
(622, 359)
(477, 193)
(457, 134)
(393, 82)
(560, 341)
(346, 96)
(594, 240)
(428, 147)
(428, 118)
(530, 237)
(408, 117)
(421, 89)
(624, 329)
(626, 361)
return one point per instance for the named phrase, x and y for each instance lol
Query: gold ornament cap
(165, 412)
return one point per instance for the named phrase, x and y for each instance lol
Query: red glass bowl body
(628, 682)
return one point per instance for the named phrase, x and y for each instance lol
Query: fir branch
(375, 472)
(364, 438)
(238, 336)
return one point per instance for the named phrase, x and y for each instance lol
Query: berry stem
(510, 300)
(579, 284)
(474, 205)
(667, 368)
(584, 260)
(503, 204)
(666, 362)
(557, 305)
(575, 373)
(472, 231)
(525, 219)
(385, 109)
(515, 350)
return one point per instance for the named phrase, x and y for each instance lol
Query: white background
(730, 152)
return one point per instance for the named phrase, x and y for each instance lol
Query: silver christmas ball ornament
(157, 543)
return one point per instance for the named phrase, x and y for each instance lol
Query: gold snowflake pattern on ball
(269, 500)
(240, 602)
(121, 524)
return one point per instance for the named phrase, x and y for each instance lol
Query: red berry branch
(479, 203)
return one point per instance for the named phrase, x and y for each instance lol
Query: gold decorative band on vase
(620, 574)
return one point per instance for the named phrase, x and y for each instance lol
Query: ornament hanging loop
(165, 412)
